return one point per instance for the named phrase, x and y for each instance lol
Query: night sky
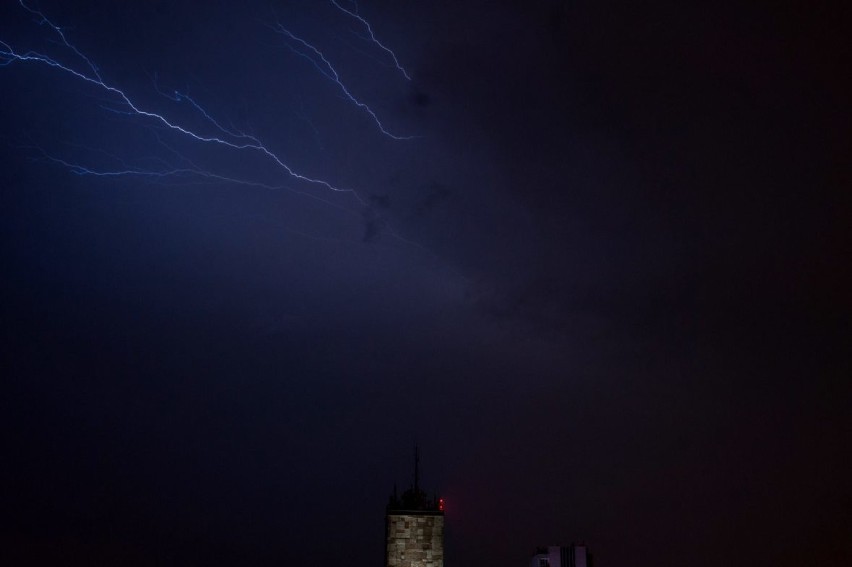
(605, 285)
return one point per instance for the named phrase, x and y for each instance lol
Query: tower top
(416, 468)
(414, 499)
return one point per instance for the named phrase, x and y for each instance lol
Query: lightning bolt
(236, 141)
(42, 20)
(210, 131)
(324, 66)
(180, 97)
(366, 24)
(164, 170)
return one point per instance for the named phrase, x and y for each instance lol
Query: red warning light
(441, 504)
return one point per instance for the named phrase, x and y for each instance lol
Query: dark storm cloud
(617, 310)
(420, 98)
(373, 227)
(661, 204)
(435, 194)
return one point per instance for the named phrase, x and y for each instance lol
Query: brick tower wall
(415, 540)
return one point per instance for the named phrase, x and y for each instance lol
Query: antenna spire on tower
(416, 469)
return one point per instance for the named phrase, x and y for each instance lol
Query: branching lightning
(369, 29)
(324, 66)
(237, 141)
(209, 129)
(42, 20)
(180, 97)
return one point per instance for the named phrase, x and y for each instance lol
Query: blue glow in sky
(589, 255)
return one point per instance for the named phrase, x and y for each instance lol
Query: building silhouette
(562, 556)
(415, 527)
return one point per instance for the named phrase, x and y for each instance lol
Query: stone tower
(415, 527)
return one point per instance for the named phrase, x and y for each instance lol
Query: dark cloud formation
(605, 285)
